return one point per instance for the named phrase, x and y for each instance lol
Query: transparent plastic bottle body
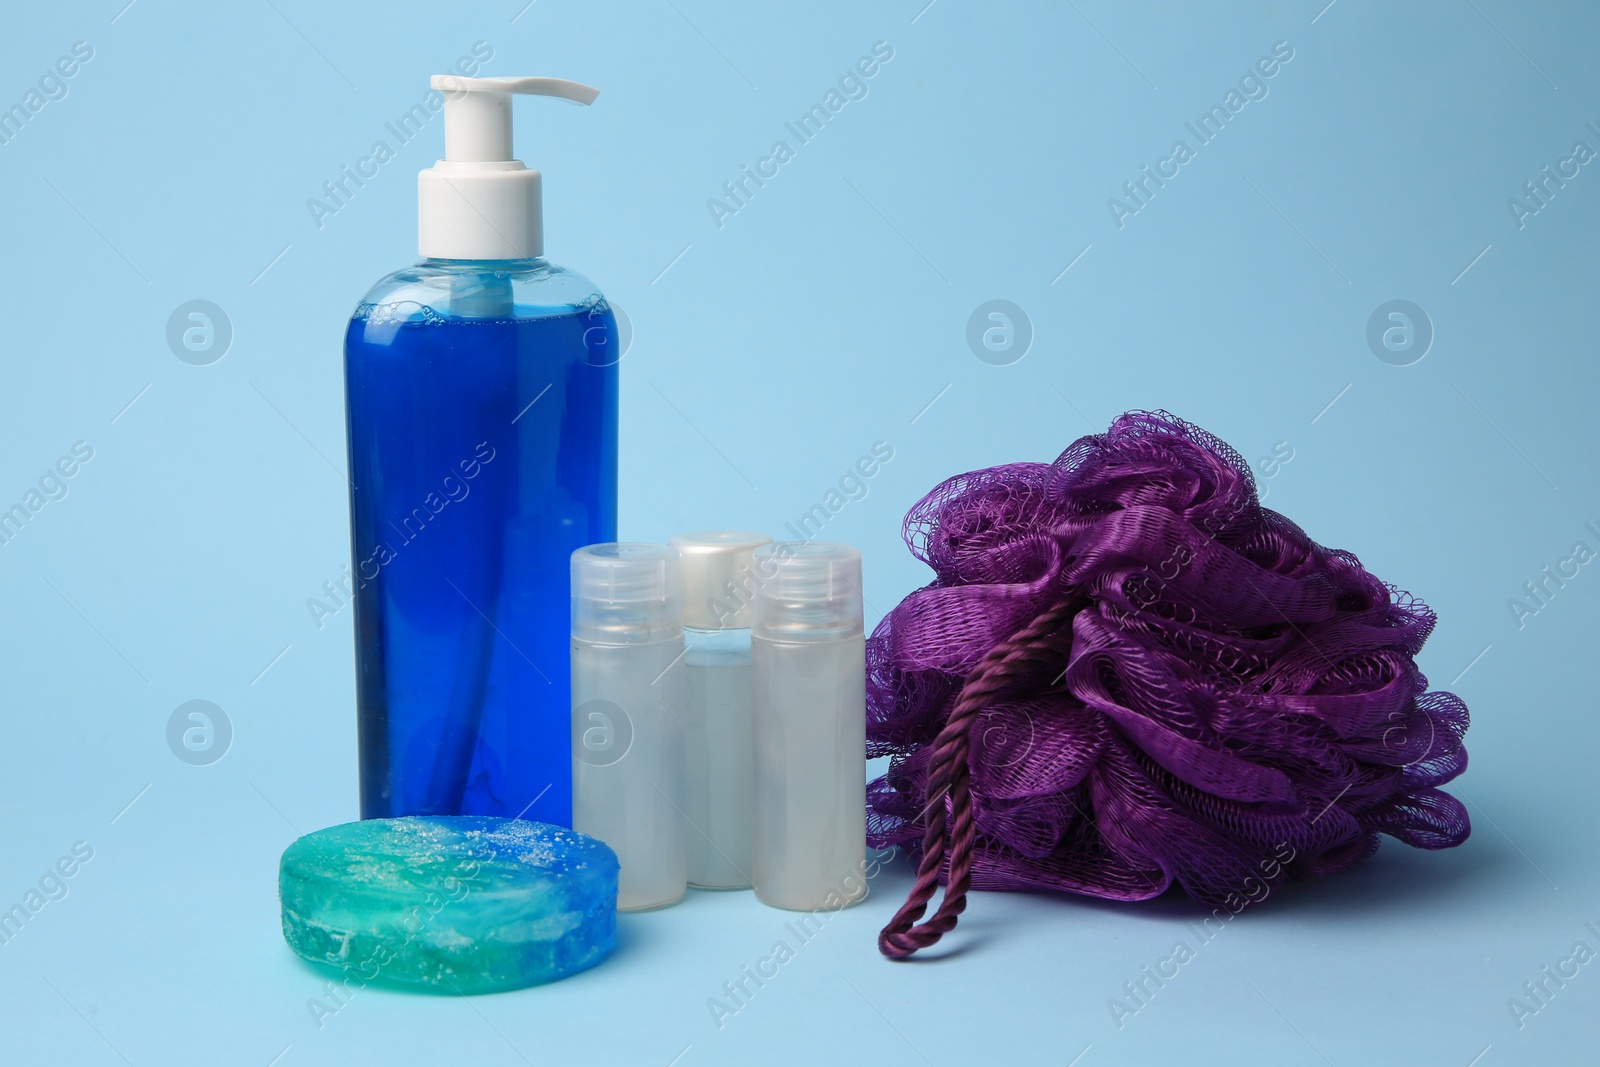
(628, 704)
(720, 759)
(482, 431)
(810, 733)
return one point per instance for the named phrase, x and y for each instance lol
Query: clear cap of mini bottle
(716, 577)
(806, 591)
(626, 593)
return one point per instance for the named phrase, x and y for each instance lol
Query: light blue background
(826, 315)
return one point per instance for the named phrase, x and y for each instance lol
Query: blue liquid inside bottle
(482, 414)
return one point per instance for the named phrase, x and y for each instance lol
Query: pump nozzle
(479, 202)
(477, 112)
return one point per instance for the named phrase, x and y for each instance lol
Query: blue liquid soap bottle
(481, 394)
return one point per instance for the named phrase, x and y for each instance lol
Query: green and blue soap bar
(451, 904)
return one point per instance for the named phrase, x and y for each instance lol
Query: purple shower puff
(1238, 705)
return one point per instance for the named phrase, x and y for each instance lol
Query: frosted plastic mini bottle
(481, 394)
(628, 703)
(808, 653)
(719, 732)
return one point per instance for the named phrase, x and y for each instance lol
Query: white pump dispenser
(478, 202)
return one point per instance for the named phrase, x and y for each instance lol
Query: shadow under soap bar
(453, 904)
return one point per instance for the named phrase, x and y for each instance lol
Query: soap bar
(452, 904)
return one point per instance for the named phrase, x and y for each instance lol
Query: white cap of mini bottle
(716, 577)
(478, 202)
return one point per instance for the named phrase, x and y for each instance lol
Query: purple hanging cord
(1127, 673)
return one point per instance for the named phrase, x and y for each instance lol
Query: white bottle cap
(807, 591)
(478, 202)
(716, 577)
(626, 593)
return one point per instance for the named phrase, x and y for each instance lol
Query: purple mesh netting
(1233, 692)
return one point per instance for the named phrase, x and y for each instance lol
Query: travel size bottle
(808, 651)
(481, 393)
(628, 703)
(719, 731)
